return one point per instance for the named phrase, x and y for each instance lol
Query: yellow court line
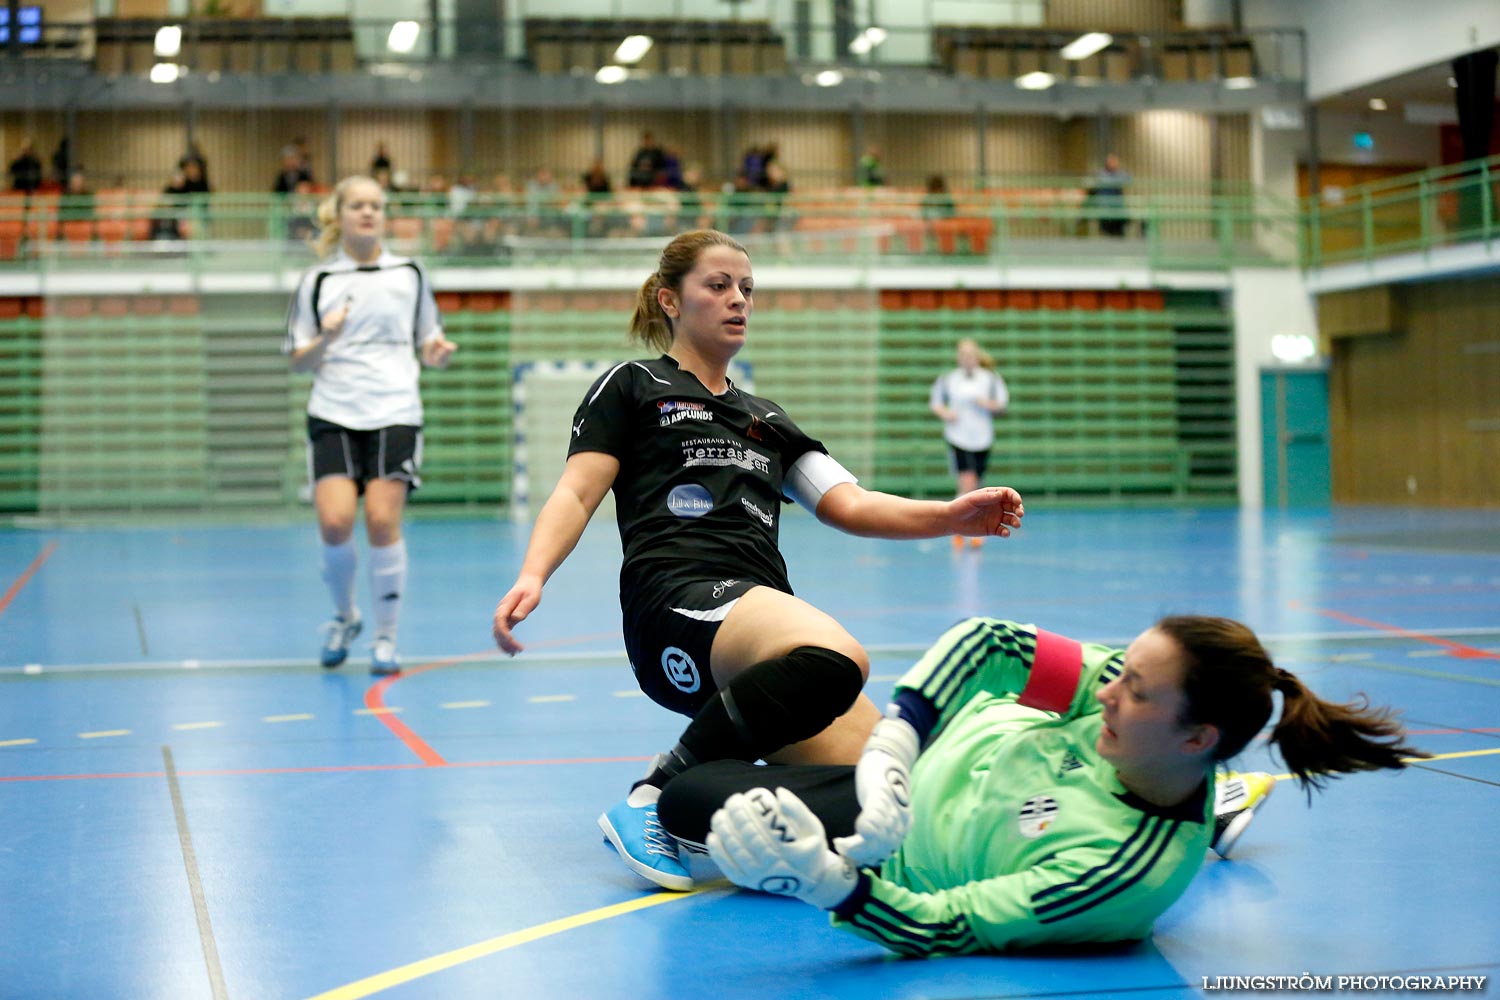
(465, 704)
(382, 710)
(541, 699)
(103, 733)
(298, 717)
(17, 743)
(197, 725)
(437, 963)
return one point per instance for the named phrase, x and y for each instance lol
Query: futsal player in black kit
(700, 469)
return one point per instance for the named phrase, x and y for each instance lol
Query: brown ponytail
(1317, 738)
(649, 323)
(1228, 678)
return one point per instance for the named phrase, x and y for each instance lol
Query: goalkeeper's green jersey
(1021, 834)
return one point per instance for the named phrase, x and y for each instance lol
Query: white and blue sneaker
(341, 634)
(645, 846)
(1236, 797)
(383, 659)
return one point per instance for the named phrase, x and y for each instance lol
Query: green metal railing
(1163, 225)
(1418, 212)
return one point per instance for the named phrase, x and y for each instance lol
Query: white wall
(1354, 42)
(1267, 301)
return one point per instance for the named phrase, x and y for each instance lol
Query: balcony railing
(1058, 223)
(1445, 206)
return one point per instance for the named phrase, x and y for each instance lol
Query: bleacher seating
(312, 45)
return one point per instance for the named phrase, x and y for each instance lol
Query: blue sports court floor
(190, 807)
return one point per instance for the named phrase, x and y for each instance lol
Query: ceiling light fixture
(632, 49)
(403, 36)
(611, 74)
(1086, 45)
(1035, 80)
(168, 40)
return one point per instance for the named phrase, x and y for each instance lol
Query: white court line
(618, 656)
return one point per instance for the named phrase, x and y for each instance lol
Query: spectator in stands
(753, 166)
(646, 163)
(870, 173)
(302, 208)
(461, 196)
(381, 160)
(1107, 196)
(194, 158)
(670, 173)
(544, 214)
(62, 162)
(165, 221)
(78, 200)
(363, 321)
(967, 400)
(596, 180)
(194, 180)
(938, 203)
(304, 157)
(26, 168)
(293, 171)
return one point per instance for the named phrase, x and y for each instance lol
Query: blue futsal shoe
(644, 844)
(341, 632)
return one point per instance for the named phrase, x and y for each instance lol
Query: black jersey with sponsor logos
(699, 488)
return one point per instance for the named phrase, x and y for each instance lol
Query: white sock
(387, 582)
(338, 572)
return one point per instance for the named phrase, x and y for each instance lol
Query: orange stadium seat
(12, 231)
(989, 298)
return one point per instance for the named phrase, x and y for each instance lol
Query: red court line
(36, 564)
(375, 698)
(375, 701)
(1456, 649)
(329, 769)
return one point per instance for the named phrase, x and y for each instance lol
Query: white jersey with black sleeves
(368, 378)
(701, 479)
(973, 428)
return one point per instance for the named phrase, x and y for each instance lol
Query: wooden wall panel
(1415, 416)
(1115, 15)
(1024, 146)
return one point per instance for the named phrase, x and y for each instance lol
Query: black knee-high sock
(769, 705)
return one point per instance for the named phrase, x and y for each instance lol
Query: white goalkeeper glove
(882, 780)
(774, 843)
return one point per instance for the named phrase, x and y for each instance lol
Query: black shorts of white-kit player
(698, 500)
(963, 460)
(385, 453)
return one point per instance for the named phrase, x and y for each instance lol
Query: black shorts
(393, 452)
(669, 636)
(689, 800)
(976, 462)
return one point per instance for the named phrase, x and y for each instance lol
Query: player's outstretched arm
(560, 523)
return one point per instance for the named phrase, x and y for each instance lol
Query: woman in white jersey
(358, 321)
(967, 400)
